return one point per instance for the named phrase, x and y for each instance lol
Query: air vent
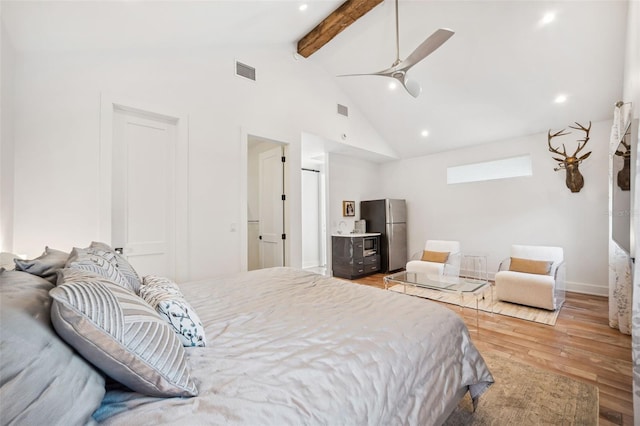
(343, 110)
(245, 71)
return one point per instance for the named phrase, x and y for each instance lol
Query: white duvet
(287, 347)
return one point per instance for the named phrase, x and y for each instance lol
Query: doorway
(314, 204)
(266, 202)
(311, 227)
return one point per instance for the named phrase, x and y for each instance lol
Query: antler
(555, 150)
(624, 153)
(584, 141)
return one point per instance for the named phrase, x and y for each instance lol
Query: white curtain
(620, 277)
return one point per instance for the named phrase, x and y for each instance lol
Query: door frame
(108, 104)
(325, 192)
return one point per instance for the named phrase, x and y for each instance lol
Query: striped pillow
(124, 266)
(101, 267)
(122, 335)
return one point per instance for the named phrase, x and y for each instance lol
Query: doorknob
(260, 237)
(119, 250)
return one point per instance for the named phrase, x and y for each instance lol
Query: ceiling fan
(398, 69)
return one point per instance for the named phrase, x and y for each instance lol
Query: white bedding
(291, 347)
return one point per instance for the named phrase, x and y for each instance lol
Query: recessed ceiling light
(548, 18)
(424, 133)
(393, 85)
(303, 7)
(560, 99)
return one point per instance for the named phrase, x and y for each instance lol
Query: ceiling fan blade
(427, 47)
(412, 86)
(354, 75)
(384, 73)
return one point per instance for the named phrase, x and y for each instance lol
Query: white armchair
(449, 268)
(532, 276)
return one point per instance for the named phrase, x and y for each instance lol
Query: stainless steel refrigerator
(389, 217)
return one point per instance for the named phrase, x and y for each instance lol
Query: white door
(143, 213)
(271, 211)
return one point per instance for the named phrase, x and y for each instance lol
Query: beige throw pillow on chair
(540, 267)
(435, 256)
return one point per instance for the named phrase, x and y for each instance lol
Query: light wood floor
(581, 345)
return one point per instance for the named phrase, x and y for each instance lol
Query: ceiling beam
(348, 13)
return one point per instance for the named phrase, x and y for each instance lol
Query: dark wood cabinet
(348, 259)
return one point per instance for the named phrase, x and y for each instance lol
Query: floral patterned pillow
(166, 298)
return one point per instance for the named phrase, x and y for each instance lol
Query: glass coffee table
(461, 286)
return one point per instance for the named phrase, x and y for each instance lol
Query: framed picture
(348, 208)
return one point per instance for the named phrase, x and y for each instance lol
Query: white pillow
(166, 298)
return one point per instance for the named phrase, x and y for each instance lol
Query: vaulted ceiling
(496, 78)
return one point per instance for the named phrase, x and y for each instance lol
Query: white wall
(350, 179)
(57, 111)
(631, 89)
(487, 217)
(7, 77)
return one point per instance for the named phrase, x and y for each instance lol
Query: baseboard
(587, 289)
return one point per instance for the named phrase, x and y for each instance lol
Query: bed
(285, 346)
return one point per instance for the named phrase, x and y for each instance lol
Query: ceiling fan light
(413, 87)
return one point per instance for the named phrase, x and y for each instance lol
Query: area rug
(541, 316)
(524, 395)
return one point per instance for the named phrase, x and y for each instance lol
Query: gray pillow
(122, 335)
(27, 293)
(44, 266)
(42, 381)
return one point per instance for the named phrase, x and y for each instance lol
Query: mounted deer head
(570, 163)
(624, 175)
